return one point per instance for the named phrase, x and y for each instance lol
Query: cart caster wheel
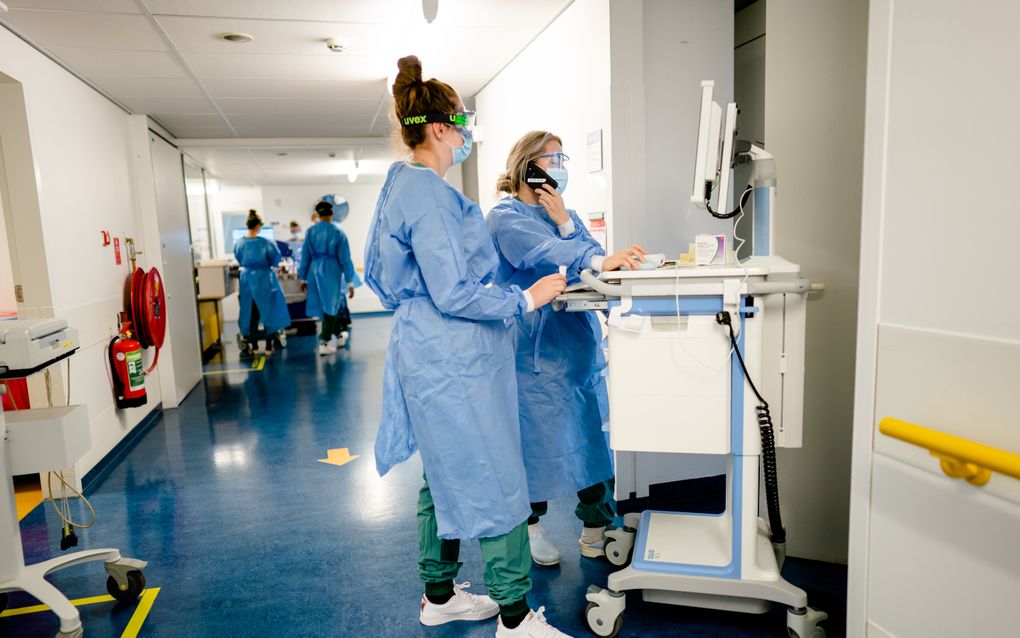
(803, 623)
(619, 545)
(616, 554)
(131, 592)
(600, 622)
(74, 633)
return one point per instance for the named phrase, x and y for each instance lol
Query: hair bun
(408, 74)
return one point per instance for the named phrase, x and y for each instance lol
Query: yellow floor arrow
(339, 456)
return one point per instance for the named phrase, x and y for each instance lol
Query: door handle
(959, 458)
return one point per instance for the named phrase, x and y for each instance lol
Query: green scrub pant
(595, 505)
(507, 559)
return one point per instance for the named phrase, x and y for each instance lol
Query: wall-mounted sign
(595, 151)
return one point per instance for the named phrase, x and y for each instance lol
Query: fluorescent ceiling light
(352, 175)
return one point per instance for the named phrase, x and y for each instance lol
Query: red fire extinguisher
(128, 369)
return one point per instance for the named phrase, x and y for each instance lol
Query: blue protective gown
(325, 265)
(448, 387)
(559, 355)
(259, 284)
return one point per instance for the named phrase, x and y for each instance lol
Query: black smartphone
(534, 177)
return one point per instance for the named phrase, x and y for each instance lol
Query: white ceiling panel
(201, 35)
(504, 13)
(367, 151)
(93, 6)
(299, 165)
(286, 67)
(285, 83)
(125, 88)
(287, 107)
(176, 121)
(280, 128)
(108, 63)
(365, 89)
(378, 11)
(176, 105)
(198, 132)
(89, 30)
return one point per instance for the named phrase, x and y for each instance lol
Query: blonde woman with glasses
(559, 361)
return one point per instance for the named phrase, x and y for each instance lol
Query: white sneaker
(325, 348)
(282, 340)
(342, 341)
(543, 552)
(534, 626)
(463, 606)
(593, 542)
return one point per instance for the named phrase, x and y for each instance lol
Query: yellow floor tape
(256, 366)
(134, 625)
(27, 498)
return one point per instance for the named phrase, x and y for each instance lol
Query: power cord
(68, 538)
(738, 240)
(768, 440)
(730, 215)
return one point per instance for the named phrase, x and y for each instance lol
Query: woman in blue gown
(261, 297)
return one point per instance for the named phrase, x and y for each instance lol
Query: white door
(184, 349)
(939, 321)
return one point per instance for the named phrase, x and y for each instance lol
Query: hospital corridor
(512, 318)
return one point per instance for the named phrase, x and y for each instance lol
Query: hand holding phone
(535, 177)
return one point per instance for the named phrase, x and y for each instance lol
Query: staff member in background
(261, 297)
(559, 355)
(295, 243)
(325, 264)
(448, 386)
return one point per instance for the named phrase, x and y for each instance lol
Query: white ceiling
(163, 57)
(259, 162)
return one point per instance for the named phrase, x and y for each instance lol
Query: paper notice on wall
(597, 228)
(595, 151)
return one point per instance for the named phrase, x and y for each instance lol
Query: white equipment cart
(42, 440)
(677, 385)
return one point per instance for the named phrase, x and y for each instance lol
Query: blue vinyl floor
(247, 534)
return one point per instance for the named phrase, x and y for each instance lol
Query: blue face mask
(560, 175)
(460, 153)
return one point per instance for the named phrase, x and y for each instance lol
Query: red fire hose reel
(148, 307)
(142, 326)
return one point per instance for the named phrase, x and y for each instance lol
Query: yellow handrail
(960, 458)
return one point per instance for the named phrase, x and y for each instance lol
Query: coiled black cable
(730, 215)
(768, 441)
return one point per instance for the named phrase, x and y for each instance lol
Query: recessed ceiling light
(236, 38)
(281, 155)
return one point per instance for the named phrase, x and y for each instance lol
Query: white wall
(661, 51)
(814, 125)
(285, 203)
(938, 344)
(8, 302)
(570, 101)
(79, 146)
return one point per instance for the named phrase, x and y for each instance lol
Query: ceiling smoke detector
(236, 38)
(337, 45)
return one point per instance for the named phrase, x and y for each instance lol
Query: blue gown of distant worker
(259, 284)
(325, 265)
(448, 387)
(560, 385)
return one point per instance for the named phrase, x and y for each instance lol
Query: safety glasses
(464, 119)
(555, 160)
